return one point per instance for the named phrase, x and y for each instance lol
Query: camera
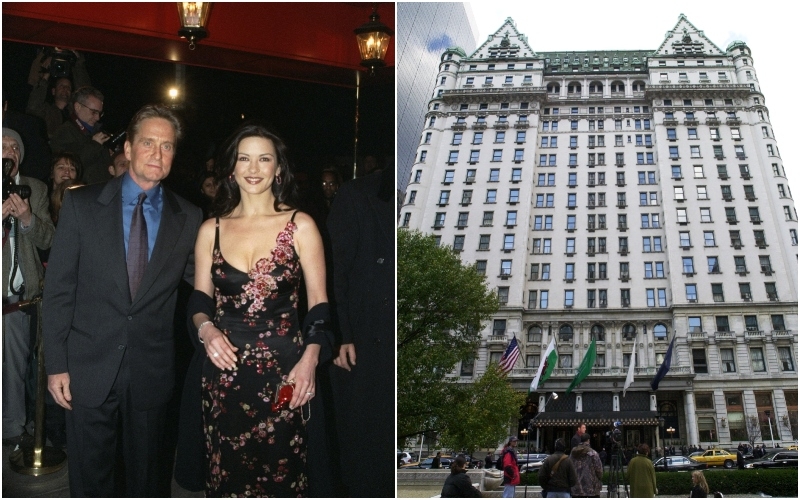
(115, 140)
(614, 436)
(9, 186)
(61, 62)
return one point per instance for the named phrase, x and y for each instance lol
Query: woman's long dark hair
(228, 196)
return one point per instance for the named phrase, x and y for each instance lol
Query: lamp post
(553, 395)
(670, 430)
(193, 17)
(771, 437)
(373, 41)
(661, 433)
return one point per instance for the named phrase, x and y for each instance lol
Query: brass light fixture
(373, 41)
(193, 16)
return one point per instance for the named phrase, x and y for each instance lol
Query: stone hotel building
(626, 197)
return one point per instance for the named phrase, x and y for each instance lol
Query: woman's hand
(303, 376)
(219, 349)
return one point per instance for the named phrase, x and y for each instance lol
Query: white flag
(549, 359)
(629, 379)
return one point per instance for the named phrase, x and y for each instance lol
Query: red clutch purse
(285, 392)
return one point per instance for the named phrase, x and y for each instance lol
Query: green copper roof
(734, 44)
(595, 60)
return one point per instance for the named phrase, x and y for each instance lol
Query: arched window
(565, 333)
(598, 333)
(617, 87)
(595, 88)
(535, 333)
(638, 86)
(628, 331)
(574, 88)
(660, 331)
(553, 88)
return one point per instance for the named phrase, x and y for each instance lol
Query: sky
(767, 26)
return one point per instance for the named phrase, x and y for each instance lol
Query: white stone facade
(622, 195)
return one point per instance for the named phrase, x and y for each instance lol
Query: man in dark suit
(119, 253)
(362, 230)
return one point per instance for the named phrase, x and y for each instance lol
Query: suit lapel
(109, 229)
(173, 221)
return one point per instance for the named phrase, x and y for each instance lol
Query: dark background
(316, 121)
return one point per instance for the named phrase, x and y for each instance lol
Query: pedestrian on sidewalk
(510, 468)
(557, 475)
(642, 474)
(588, 469)
(699, 485)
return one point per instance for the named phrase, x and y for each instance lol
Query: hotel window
(751, 323)
(757, 359)
(477, 138)
(625, 297)
(543, 299)
(483, 242)
(691, 292)
(744, 292)
(716, 291)
(713, 265)
(786, 361)
(497, 155)
(500, 137)
(439, 219)
(727, 361)
(462, 219)
(508, 242)
(505, 268)
(474, 155)
(708, 239)
(513, 196)
(694, 151)
(520, 137)
(772, 291)
(699, 361)
(491, 196)
(569, 298)
(676, 172)
(705, 215)
(458, 242)
(494, 175)
(516, 174)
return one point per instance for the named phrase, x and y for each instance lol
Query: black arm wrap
(317, 329)
(199, 302)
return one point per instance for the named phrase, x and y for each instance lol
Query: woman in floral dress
(250, 258)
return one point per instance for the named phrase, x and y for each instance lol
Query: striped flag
(629, 379)
(546, 364)
(665, 365)
(510, 356)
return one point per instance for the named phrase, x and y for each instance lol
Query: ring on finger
(216, 354)
(310, 393)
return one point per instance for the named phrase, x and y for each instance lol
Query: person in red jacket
(510, 468)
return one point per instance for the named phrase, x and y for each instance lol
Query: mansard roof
(686, 39)
(599, 61)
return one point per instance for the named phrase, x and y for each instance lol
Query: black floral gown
(251, 451)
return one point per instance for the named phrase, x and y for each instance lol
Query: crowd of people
(291, 314)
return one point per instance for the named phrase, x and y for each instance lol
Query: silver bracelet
(199, 328)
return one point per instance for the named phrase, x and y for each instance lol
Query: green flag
(586, 366)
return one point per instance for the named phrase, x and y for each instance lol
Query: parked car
(677, 463)
(717, 457)
(403, 457)
(792, 447)
(534, 462)
(775, 460)
(426, 464)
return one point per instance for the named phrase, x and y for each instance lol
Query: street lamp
(661, 422)
(193, 17)
(670, 430)
(771, 437)
(373, 41)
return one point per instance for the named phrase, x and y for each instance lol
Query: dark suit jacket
(89, 317)
(362, 228)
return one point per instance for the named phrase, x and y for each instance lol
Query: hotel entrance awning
(595, 418)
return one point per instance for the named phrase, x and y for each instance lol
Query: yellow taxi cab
(717, 457)
(792, 447)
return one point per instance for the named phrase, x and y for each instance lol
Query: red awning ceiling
(302, 41)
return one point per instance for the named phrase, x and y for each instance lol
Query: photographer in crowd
(83, 135)
(26, 227)
(55, 70)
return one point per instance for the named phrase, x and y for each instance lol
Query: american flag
(510, 357)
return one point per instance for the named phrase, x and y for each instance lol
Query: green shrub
(775, 482)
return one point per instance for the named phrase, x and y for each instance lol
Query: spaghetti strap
(295, 213)
(216, 238)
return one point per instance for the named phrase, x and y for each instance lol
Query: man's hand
(100, 137)
(19, 208)
(58, 385)
(346, 351)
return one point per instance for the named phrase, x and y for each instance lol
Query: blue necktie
(137, 247)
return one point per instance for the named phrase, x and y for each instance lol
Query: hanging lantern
(193, 17)
(373, 41)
